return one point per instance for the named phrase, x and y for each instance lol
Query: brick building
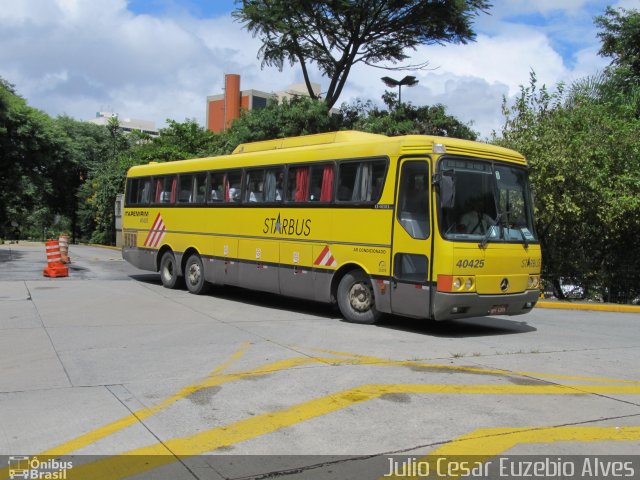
(222, 109)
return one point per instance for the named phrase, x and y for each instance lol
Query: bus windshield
(486, 201)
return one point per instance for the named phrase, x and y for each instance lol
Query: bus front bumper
(449, 306)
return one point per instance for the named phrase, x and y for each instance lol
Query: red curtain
(174, 188)
(327, 184)
(227, 196)
(302, 184)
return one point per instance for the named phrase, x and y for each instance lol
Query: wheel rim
(360, 297)
(168, 270)
(194, 274)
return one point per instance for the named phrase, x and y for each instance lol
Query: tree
(34, 151)
(105, 180)
(338, 34)
(178, 141)
(404, 119)
(294, 117)
(582, 146)
(620, 37)
(88, 146)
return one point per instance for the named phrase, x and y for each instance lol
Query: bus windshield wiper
(485, 240)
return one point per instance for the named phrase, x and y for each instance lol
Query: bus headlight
(533, 282)
(450, 283)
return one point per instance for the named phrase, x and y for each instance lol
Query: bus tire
(356, 299)
(169, 271)
(194, 275)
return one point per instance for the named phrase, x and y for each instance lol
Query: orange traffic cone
(63, 241)
(55, 267)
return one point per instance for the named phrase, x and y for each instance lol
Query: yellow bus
(420, 226)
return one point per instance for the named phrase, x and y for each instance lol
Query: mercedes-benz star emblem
(504, 284)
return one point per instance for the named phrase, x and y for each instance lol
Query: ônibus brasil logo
(35, 468)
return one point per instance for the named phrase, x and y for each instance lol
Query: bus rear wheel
(356, 299)
(194, 275)
(169, 271)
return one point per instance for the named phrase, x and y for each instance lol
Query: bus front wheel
(194, 275)
(356, 299)
(169, 271)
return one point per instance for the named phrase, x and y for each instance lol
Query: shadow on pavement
(256, 298)
(470, 327)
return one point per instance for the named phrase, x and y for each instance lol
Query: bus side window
(186, 189)
(138, 191)
(361, 181)
(273, 184)
(298, 184)
(217, 190)
(233, 186)
(321, 183)
(254, 192)
(132, 190)
(145, 193)
(413, 199)
(410, 267)
(166, 189)
(199, 187)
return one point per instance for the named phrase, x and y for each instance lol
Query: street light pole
(409, 81)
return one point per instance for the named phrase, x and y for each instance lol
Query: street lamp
(409, 81)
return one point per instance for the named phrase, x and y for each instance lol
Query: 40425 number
(470, 263)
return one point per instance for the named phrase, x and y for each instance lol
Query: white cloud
(522, 7)
(628, 4)
(80, 56)
(471, 80)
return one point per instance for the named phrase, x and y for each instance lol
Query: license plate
(498, 310)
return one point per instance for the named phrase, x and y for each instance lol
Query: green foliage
(105, 179)
(585, 167)
(34, 156)
(620, 37)
(298, 116)
(404, 119)
(178, 141)
(339, 34)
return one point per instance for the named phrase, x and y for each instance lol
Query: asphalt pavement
(107, 362)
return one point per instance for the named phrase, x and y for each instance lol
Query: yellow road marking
(212, 439)
(356, 395)
(366, 359)
(217, 378)
(106, 430)
(483, 444)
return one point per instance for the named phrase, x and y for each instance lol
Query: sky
(159, 59)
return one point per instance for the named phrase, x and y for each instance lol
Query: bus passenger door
(412, 240)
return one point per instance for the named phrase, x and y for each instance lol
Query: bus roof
(248, 154)
(308, 140)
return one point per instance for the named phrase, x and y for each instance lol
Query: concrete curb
(103, 246)
(600, 307)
